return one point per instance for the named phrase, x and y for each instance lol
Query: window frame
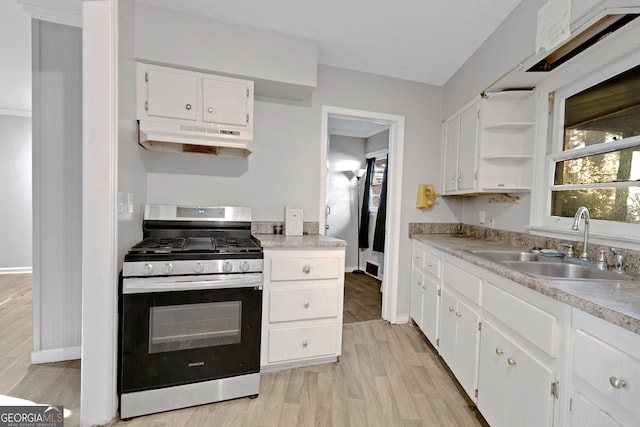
(377, 155)
(578, 75)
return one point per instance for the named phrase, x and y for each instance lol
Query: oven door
(189, 331)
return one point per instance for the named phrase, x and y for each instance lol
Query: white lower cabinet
(605, 373)
(513, 387)
(302, 307)
(459, 325)
(425, 290)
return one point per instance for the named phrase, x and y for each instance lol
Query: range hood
(182, 138)
(580, 42)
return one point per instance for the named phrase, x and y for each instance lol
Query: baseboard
(402, 318)
(56, 355)
(16, 270)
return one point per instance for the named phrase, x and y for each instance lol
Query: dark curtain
(378, 236)
(363, 233)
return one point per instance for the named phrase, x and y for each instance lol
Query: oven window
(189, 326)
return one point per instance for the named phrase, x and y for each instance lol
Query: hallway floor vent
(372, 268)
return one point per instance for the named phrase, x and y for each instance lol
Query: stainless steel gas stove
(190, 310)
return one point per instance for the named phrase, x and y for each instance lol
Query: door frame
(394, 195)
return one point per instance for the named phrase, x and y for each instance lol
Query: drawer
(300, 343)
(432, 264)
(303, 303)
(462, 281)
(418, 256)
(537, 326)
(304, 268)
(600, 364)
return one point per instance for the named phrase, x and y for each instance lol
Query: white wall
(283, 65)
(57, 191)
(15, 176)
(346, 154)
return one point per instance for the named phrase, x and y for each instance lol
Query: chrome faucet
(582, 211)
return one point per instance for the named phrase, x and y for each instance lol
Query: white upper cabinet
(171, 94)
(489, 145)
(225, 101)
(461, 140)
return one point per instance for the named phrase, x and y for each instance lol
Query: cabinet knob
(499, 351)
(459, 178)
(429, 265)
(305, 343)
(306, 304)
(188, 107)
(458, 314)
(419, 283)
(306, 269)
(618, 382)
(451, 309)
(424, 287)
(512, 362)
(210, 110)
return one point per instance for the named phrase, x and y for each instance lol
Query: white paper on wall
(554, 19)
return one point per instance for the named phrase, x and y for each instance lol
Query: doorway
(395, 125)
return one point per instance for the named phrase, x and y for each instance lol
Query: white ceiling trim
(52, 15)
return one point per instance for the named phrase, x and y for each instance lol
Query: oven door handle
(190, 283)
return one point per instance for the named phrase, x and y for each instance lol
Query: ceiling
(419, 40)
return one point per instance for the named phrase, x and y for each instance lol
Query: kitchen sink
(563, 270)
(502, 256)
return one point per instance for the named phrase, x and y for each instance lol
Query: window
(376, 184)
(598, 165)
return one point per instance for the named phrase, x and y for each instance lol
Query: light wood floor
(20, 381)
(387, 376)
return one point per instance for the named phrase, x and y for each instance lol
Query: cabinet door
(452, 134)
(585, 413)
(430, 309)
(467, 340)
(467, 148)
(172, 94)
(529, 399)
(417, 282)
(447, 345)
(224, 102)
(492, 375)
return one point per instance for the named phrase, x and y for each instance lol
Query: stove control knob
(147, 269)
(244, 266)
(199, 267)
(227, 267)
(168, 268)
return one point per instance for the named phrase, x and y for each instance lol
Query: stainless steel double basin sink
(551, 267)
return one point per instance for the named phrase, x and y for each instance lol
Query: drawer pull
(305, 343)
(306, 304)
(451, 309)
(512, 362)
(499, 351)
(306, 269)
(458, 314)
(618, 382)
